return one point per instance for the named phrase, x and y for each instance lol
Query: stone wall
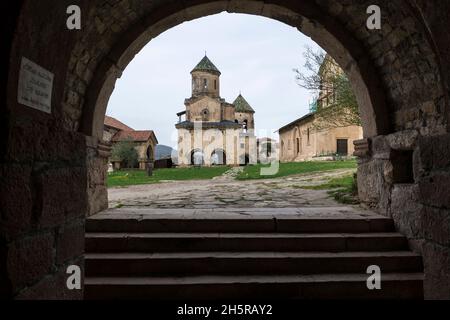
(314, 142)
(406, 176)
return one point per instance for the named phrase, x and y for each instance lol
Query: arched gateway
(52, 163)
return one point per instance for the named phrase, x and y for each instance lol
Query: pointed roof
(206, 65)
(241, 105)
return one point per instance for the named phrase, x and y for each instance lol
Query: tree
(335, 103)
(126, 153)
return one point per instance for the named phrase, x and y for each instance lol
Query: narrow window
(205, 84)
(245, 126)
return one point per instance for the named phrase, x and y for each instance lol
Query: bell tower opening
(206, 79)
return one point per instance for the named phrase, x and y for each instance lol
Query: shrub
(126, 153)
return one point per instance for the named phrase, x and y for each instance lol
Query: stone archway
(197, 157)
(218, 157)
(400, 73)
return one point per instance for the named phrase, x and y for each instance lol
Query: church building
(212, 131)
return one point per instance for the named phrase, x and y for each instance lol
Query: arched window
(197, 158)
(205, 114)
(218, 157)
(205, 83)
(245, 126)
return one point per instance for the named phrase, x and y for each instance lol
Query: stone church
(307, 138)
(213, 131)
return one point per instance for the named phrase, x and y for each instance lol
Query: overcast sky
(256, 55)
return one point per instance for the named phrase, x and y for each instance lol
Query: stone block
(62, 195)
(433, 153)
(403, 140)
(368, 180)
(435, 225)
(16, 201)
(53, 287)
(373, 189)
(436, 260)
(46, 141)
(434, 190)
(70, 242)
(30, 259)
(381, 148)
(406, 210)
(436, 288)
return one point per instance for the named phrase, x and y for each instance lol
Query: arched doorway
(197, 158)
(399, 73)
(218, 157)
(244, 160)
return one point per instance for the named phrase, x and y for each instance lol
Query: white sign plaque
(35, 86)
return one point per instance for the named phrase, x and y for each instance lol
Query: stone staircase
(141, 254)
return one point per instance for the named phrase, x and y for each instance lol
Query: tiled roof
(206, 65)
(116, 124)
(308, 117)
(135, 136)
(242, 105)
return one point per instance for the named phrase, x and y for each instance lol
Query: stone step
(238, 242)
(197, 263)
(214, 287)
(262, 224)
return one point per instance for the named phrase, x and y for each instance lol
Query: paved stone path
(225, 192)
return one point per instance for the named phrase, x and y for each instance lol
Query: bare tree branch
(325, 79)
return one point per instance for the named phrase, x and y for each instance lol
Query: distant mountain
(163, 151)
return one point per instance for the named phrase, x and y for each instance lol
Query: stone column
(98, 153)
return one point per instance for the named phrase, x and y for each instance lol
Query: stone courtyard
(227, 192)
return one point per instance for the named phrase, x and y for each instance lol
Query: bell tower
(206, 79)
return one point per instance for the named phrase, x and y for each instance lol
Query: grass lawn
(343, 190)
(291, 168)
(135, 177)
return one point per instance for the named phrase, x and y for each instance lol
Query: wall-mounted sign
(35, 86)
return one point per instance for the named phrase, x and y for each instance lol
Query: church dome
(241, 105)
(207, 66)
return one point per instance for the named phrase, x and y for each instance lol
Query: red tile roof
(136, 136)
(116, 124)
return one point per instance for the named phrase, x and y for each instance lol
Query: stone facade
(302, 141)
(401, 76)
(214, 132)
(314, 137)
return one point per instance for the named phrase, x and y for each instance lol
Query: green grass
(292, 168)
(343, 190)
(124, 178)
